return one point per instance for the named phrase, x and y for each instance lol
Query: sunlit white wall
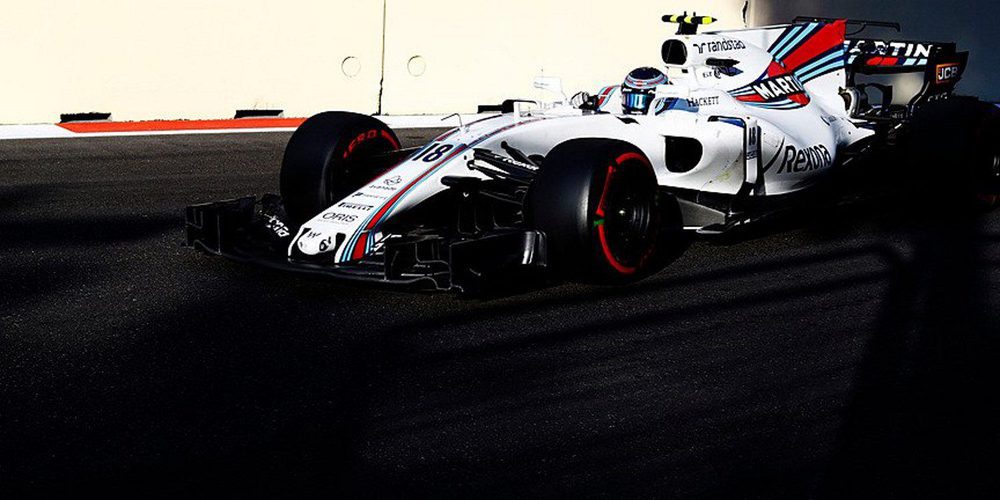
(168, 59)
(483, 52)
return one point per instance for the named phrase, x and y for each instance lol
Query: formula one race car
(733, 126)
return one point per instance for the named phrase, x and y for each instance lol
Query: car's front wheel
(600, 207)
(330, 156)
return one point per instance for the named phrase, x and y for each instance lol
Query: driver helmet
(638, 89)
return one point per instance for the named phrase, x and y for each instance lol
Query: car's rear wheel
(955, 146)
(330, 156)
(605, 219)
(987, 160)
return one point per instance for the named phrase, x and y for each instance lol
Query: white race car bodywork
(763, 105)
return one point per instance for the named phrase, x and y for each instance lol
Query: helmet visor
(636, 102)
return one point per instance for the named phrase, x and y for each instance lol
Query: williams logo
(392, 181)
(778, 87)
(805, 160)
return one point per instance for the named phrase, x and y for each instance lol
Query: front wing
(434, 259)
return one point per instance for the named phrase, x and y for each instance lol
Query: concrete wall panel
(484, 52)
(162, 59)
(189, 59)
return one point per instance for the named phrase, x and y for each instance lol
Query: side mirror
(551, 84)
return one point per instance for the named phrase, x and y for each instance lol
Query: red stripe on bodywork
(774, 69)
(359, 249)
(799, 99)
(827, 38)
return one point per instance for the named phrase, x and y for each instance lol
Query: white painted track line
(33, 132)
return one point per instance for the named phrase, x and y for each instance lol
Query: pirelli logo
(355, 206)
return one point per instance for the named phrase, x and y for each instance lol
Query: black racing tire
(603, 214)
(954, 145)
(987, 158)
(325, 160)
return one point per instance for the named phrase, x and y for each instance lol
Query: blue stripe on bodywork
(806, 32)
(675, 104)
(732, 121)
(835, 55)
(835, 65)
(785, 38)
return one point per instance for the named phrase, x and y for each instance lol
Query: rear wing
(941, 63)
(859, 24)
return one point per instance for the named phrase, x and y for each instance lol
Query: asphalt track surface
(854, 352)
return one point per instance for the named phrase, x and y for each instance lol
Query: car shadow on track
(227, 394)
(918, 417)
(821, 371)
(922, 418)
(96, 231)
(674, 343)
(12, 197)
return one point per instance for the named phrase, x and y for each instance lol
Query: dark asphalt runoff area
(854, 353)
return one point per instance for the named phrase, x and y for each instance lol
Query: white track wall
(484, 52)
(162, 59)
(170, 59)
